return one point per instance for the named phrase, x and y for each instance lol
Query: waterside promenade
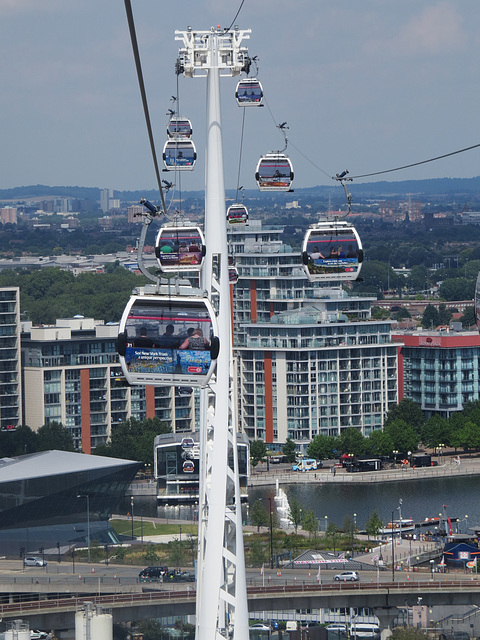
(446, 468)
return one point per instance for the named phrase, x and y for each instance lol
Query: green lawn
(124, 527)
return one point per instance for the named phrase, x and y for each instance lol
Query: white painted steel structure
(221, 583)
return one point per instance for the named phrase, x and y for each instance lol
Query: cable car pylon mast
(221, 583)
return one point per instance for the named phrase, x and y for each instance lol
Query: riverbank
(261, 477)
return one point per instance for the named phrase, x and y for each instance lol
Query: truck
(305, 464)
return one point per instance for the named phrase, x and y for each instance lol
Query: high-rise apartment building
(105, 196)
(10, 377)
(310, 358)
(72, 375)
(439, 370)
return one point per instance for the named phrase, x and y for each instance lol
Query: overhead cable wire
(240, 155)
(309, 160)
(236, 15)
(138, 65)
(416, 164)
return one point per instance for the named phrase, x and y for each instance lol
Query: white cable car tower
(221, 583)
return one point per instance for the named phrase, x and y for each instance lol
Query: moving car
(347, 576)
(34, 561)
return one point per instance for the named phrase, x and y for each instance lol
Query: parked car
(34, 561)
(347, 576)
(35, 634)
(152, 574)
(337, 628)
(260, 626)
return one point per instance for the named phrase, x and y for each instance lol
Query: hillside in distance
(454, 187)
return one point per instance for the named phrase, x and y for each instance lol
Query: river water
(421, 498)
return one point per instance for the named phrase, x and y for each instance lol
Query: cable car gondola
(180, 248)
(249, 93)
(179, 127)
(237, 213)
(179, 154)
(274, 172)
(232, 275)
(165, 340)
(332, 251)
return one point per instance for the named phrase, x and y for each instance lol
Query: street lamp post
(354, 525)
(393, 547)
(87, 497)
(400, 502)
(326, 523)
(131, 512)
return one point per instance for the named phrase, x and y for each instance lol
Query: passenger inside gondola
(169, 340)
(196, 341)
(142, 340)
(316, 255)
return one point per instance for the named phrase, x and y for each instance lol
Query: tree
(469, 436)
(259, 516)
(444, 314)
(373, 524)
(435, 431)
(289, 450)
(402, 314)
(380, 443)
(404, 437)
(332, 536)
(408, 633)
(322, 447)
(295, 514)
(352, 441)
(457, 289)
(310, 523)
(134, 440)
(257, 451)
(430, 318)
(408, 411)
(258, 554)
(54, 436)
(468, 318)
(150, 556)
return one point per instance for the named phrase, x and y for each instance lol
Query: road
(98, 578)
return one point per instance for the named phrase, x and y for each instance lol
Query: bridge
(383, 597)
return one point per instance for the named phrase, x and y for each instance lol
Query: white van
(365, 630)
(292, 625)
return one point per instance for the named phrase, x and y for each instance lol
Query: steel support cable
(236, 15)
(136, 55)
(416, 164)
(240, 155)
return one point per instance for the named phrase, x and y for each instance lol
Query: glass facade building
(439, 370)
(47, 499)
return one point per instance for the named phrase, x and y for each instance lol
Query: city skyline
(362, 87)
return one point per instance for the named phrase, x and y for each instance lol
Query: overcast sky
(365, 85)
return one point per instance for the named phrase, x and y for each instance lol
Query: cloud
(435, 30)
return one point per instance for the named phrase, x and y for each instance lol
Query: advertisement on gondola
(333, 254)
(167, 361)
(179, 248)
(163, 341)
